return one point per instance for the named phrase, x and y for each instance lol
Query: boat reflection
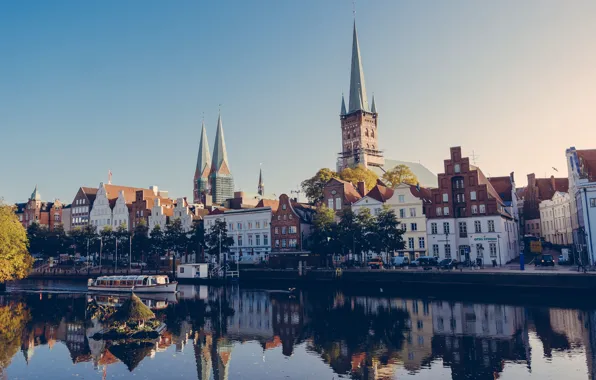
(360, 337)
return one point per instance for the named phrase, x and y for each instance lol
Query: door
(464, 253)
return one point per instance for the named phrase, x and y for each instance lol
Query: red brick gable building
(35, 210)
(290, 224)
(338, 194)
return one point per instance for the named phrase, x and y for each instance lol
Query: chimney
(552, 182)
(512, 178)
(531, 180)
(362, 188)
(155, 190)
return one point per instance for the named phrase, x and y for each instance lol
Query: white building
(101, 213)
(182, 212)
(112, 206)
(581, 166)
(555, 216)
(250, 229)
(120, 212)
(160, 215)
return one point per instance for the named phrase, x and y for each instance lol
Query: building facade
(142, 206)
(538, 190)
(82, 204)
(48, 214)
(339, 195)
(555, 218)
(291, 224)
(467, 219)
(161, 214)
(250, 230)
(359, 121)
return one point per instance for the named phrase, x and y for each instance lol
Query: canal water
(242, 333)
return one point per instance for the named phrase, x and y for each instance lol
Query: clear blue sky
(87, 86)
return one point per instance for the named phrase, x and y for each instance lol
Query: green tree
(122, 236)
(157, 244)
(217, 238)
(367, 233)
(196, 241)
(78, 239)
(57, 241)
(349, 232)
(313, 187)
(176, 238)
(13, 319)
(38, 239)
(359, 174)
(141, 244)
(108, 242)
(390, 235)
(400, 174)
(325, 238)
(15, 260)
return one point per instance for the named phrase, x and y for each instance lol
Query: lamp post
(499, 248)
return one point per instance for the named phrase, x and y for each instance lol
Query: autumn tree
(400, 174)
(13, 318)
(313, 187)
(15, 260)
(359, 174)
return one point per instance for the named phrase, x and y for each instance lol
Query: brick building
(339, 195)
(35, 210)
(538, 190)
(143, 203)
(291, 224)
(467, 218)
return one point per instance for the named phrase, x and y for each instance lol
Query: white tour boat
(137, 284)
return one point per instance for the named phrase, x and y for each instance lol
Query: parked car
(448, 264)
(375, 263)
(427, 262)
(545, 261)
(400, 261)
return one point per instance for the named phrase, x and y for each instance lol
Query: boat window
(144, 281)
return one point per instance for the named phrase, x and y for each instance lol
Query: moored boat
(137, 284)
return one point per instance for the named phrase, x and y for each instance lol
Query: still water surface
(240, 333)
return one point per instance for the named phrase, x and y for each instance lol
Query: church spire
(373, 107)
(204, 157)
(358, 99)
(343, 106)
(261, 187)
(220, 154)
(35, 195)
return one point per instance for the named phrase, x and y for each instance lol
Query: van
(425, 261)
(400, 261)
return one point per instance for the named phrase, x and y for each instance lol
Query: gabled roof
(482, 180)
(112, 192)
(268, 203)
(380, 193)
(546, 189)
(503, 186)
(424, 193)
(351, 195)
(219, 164)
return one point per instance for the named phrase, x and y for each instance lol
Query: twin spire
(358, 100)
(207, 164)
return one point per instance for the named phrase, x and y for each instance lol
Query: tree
(313, 187)
(325, 239)
(400, 174)
(175, 236)
(157, 243)
(218, 237)
(57, 241)
(196, 242)
(108, 241)
(13, 319)
(141, 244)
(390, 236)
(368, 234)
(15, 260)
(122, 237)
(359, 174)
(349, 231)
(38, 238)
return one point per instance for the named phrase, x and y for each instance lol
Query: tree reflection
(13, 318)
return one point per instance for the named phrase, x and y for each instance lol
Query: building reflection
(359, 337)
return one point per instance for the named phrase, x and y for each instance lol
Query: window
(276, 243)
(413, 226)
(141, 212)
(477, 227)
(283, 230)
(474, 209)
(338, 203)
(279, 217)
(239, 226)
(473, 195)
(493, 249)
(435, 249)
(421, 244)
(250, 225)
(445, 198)
(276, 230)
(239, 240)
(491, 226)
(258, 239)
(411, 243)
(446, 228)
(250, 240)
(479, 250)
(330, 203)
(402, 213)
(457, 168)
(258, 224)
(293, 243)
(445, 210)
(463, 229)
(433, 228)
(402, 198)
(404, 227)
(290, 216)
(283, 207)
(283, 243)
(292, 230)
(377, 211)
(482, 209)
(413, 212)
(447, 251)
(592, 202)
(265, 239)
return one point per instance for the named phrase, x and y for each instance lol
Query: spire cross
(354, 8)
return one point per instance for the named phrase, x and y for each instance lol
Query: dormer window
(457, 168)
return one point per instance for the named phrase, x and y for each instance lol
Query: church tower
(221, 179)
(359, 121)
(261, 186)
(201, 178)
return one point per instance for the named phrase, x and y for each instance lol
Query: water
(238, 333)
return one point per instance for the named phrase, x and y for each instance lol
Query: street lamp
(499, 248)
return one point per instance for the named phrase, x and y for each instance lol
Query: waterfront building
(66, 217)
(161, 214)
(555, 219)
(538, 190)
(48, 214)
(81, 206)
(339, 195)
(144, 199)
(188, 213)
(106, 198)
(581, 166)
(467, 219)
(250, 230)
(291, 224)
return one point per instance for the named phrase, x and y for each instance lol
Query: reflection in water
(357, 337)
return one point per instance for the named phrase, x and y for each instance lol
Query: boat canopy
(123, 278)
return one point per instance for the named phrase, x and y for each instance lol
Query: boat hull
(172, 287)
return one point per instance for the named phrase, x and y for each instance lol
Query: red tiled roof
(380, 193)
(503, 187)
(129, 192)
(546, 190)
(424, 193)
(587, 162)
(268, 203)
(482, 180)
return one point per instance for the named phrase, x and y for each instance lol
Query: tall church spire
(204, 157)
(220, 154)
(373, 107)
(222, 181)
(261, 187)
(358, 99)
(343, 105)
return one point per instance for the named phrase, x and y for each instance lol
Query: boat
(154, 301)
(137, 284)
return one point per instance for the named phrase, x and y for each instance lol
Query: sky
(87, 87)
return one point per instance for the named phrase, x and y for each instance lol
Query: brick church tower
(359, 122)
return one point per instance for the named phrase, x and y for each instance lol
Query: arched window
(372, 133)
(366, 133)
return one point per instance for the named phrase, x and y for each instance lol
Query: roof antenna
(475, 158)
